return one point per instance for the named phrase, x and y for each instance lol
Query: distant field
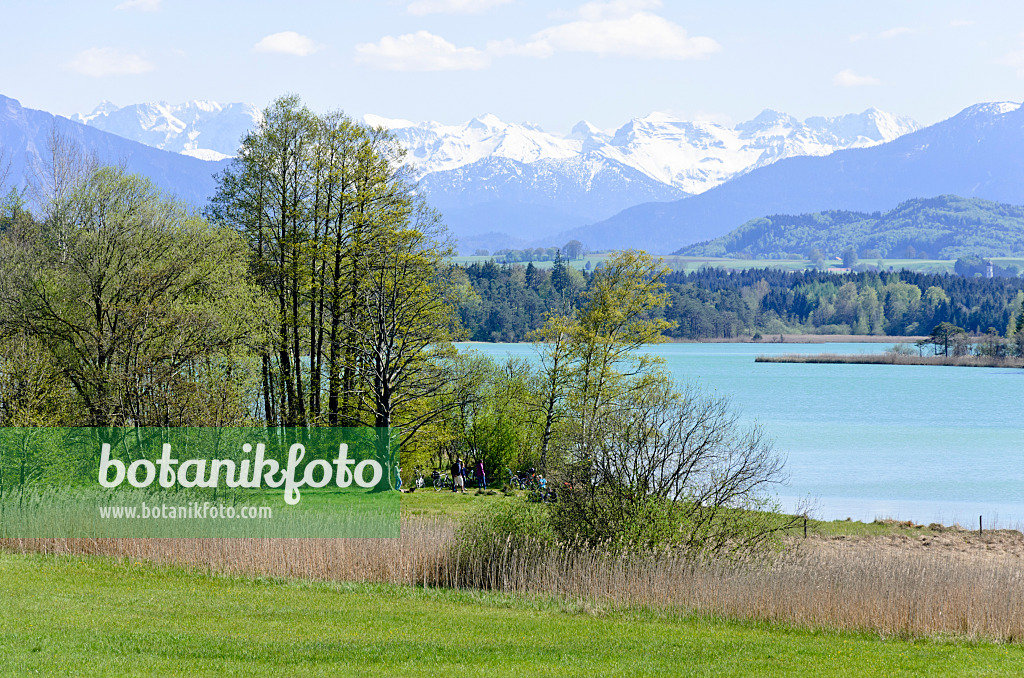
(97, 617)
(689, 264)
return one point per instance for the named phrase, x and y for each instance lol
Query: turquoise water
(919, 443)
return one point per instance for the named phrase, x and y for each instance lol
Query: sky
(549, 62)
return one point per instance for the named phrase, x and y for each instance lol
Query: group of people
(460, 471)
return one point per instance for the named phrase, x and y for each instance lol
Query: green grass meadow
(96, 617)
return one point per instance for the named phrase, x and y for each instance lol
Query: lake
(921, 443)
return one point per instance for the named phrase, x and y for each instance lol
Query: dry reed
(886, 591)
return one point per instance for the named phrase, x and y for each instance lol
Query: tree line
(944, 227)
(509, 302)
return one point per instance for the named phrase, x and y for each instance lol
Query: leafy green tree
(130, 295)
(354, 258)
(849, 255)
(573, 250)
(944, 335)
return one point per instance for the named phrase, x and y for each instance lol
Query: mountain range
(201, 129)
(656, 183)
(489, 176)
(976, 153)
(25, 136)
(501, 184)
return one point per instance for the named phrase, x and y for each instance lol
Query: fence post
(805, 527)
(979, 526)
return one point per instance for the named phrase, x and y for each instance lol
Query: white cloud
(606, 31)
(422, 7)
(847, 78)
(614, 9)
(141, 5)
(895, 32)
(287, 42)
(509, 47)
(959, 23)
(98, 62)
(420, 51)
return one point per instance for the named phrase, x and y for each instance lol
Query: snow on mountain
(490, 176)
(978, 153)
(201, 129)
(25, 139)
(688, 156)
(487, 175)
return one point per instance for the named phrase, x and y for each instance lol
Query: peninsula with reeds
(948, 345)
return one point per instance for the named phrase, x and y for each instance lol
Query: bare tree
(5, 167)
(671, 468)
(54, 173)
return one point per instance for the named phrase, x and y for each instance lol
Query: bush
(670, 469)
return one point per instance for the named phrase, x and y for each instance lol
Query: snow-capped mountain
(490, 176)
(25, 143)
(201, 129)
(978, 153)
(689, 156)
(516, 180)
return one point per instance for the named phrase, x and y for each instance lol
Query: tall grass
(891, 592)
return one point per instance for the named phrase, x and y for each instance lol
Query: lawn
(96, 617)
(456, 505)
(431, 504)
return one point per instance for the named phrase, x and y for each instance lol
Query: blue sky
(549, 62)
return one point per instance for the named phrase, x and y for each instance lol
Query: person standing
(481, 477)
(458, 476)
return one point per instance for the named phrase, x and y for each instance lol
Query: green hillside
(946, 227)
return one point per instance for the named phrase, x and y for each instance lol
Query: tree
(573, 250)
(407, 320)
(62, 164)
(849, 256)
(672, 468)
(344, 242)
(945, 335)
(561, 281)
(817, 257)
(613, 323)
(554, 351)
(133, 298)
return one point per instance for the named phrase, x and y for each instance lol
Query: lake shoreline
(767, 339)
(892, 359)
(805, 339)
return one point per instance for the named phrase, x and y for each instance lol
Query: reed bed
(890, 592)
(893, 359)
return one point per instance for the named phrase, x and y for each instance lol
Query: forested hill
(506, 302)
(946, 227)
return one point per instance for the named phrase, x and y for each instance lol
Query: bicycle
(514, 481)
(441, 481)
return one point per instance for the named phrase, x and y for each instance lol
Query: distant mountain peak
(488, 121)
(199, 128)
(993, 108)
